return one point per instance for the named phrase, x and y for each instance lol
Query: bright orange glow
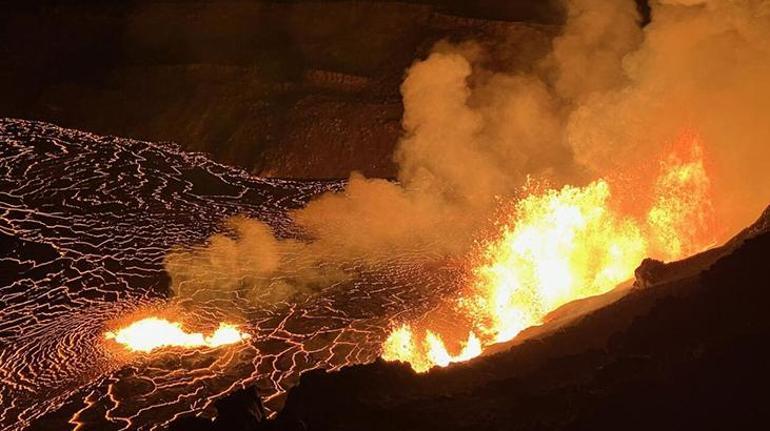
(561, 245)
(153, 333)
(400, 346)
(680, 217)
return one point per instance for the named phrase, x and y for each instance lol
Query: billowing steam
(610, 99)
(701, 65)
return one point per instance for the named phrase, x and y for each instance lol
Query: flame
(679, 218)
(153, 333)
(561, 245)
(400, 346)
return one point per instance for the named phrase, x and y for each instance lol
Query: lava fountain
(557, 246)
(154, 333)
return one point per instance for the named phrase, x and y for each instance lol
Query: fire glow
(154, 333)
(562, 245)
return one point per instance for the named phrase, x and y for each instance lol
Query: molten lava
(561, 245)
(153, 333)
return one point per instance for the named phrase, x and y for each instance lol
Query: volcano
(506, 214)
(88, 219)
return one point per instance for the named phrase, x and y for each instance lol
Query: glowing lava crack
(153, 333)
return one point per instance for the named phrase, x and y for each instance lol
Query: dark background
(282, 88)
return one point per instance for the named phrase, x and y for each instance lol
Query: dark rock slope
(304, 89)
(686, 353)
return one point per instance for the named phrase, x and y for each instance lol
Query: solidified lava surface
(85, 223)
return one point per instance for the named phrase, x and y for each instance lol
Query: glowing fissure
(154, 333)
(561, 245)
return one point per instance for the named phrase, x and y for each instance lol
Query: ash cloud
(608, 95)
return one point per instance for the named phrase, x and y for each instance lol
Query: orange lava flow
(154, 333)
(561, 245)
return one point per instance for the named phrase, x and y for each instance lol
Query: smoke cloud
(607, 96)
(702, 65)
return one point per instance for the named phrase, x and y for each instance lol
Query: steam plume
(608, 95)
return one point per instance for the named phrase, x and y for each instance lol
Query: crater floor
(85, 223)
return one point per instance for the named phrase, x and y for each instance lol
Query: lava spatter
(152, 333)
(562, 245)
